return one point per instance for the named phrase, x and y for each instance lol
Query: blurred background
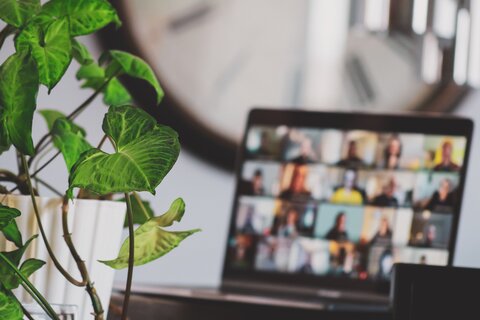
(217, 59)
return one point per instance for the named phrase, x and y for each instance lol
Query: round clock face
(218, 59)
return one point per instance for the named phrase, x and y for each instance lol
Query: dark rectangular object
(431, 292)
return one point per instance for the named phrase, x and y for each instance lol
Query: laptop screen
(328, 202)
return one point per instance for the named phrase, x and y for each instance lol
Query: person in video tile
(385, 264)
(297, 187)
(443, 199)
(387, 197)
(255, 186)
(338, 232)
(288, 223)
(242, 251)
(384, 233)
(446, 163)
(265, 148)
(307, 155)
(352, 160)
(392, 152)
(306, 267)
(348, 192)
(430, 236)
(248, 227)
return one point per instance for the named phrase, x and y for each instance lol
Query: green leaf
(8, 226)
(115, 94)
(81, 53)
(140, 216)
(11, 233)
(51, 48)
(91, 71)
(151, 241)
(18, 94)
(29, 266)
(175, 213)
(144, 153)
(18, 12)
(7, 215)
(9, 307)
(84, 16)
(51, 116)
(69, 141)
(8, 277)
(126, 63)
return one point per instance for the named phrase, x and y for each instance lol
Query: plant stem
(92, 292)
(42, 232)
(33, 175)
(100, 144)
(131, 256)
(48, 186)
(31, 288)
(140, 203)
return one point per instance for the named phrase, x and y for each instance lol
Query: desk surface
(185, 308)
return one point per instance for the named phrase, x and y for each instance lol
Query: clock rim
(210, 146)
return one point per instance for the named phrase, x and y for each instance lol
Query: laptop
(327, 202)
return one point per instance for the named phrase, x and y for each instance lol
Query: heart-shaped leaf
(8, 278)
(84, 16)
(18, 94)
(81, 53)
(9, 307)
(126, 63)
(142, 212)
(11, 233)
(51, 116)
(144, 153)
(151, 241)
(51, 48)
(18, 12)
(69, 141)
(7, 214)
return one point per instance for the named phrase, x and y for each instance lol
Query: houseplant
(144, 151)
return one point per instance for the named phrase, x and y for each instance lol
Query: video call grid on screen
(338, 203)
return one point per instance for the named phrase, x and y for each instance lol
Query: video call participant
(265, 148)
(392, 152)
(297, 189)
(446, 163)
(348, 192)
(248, 225)
(254, 187)
(387, 197)
(443, 198)
(307, 155)
(384, 234)
(306, 268)
(430, 235)
(338, 232)
(352, 160)
(286, 224)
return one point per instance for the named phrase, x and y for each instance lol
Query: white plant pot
(96, 228)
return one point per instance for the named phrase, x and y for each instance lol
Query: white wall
(208, 194)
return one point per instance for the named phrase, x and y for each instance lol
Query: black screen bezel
(402, 123)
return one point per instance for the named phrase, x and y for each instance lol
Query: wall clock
(216, 59)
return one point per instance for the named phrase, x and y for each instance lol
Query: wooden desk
(164, 307)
